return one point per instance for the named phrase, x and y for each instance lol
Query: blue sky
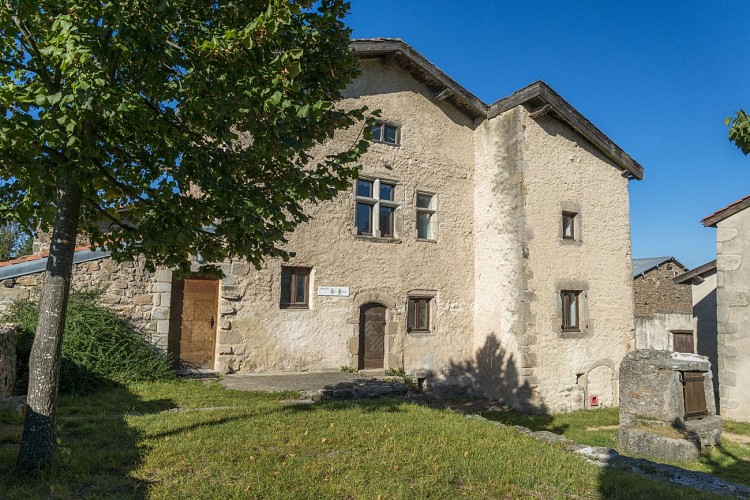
(658, 77)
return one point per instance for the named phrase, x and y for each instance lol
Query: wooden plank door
(195, 304)
(371, 336)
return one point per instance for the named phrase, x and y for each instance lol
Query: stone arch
(601, 379)
(389, 302)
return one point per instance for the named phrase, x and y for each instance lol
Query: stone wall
(733, 314)
(126, 288)
(655, 331)
(655, 292)
(704, 318)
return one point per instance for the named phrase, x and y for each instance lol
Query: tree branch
(109, 216)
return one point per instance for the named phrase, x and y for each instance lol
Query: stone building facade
(732, 225)
(484, 246)
(663, 308)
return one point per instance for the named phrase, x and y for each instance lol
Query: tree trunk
(38, 441)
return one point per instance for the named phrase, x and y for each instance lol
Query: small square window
(295, 288)
(418, 312)
(569, 225)
(570, 310)
(385, 132)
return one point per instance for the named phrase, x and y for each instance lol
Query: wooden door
(192, 333)
(371, 336)
(694, 392)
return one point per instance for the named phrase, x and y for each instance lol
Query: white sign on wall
(334, 291)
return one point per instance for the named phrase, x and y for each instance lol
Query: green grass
(730, 461)
(125, 443)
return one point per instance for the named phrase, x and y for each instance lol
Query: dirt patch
(737, 438)
(603, 427)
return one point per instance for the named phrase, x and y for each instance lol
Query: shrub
(100, 348)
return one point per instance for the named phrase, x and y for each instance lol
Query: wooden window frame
(431, 211)
(412, 320)
(572, 216)
(376, 203)
(565, 296)
(683, 332)
(295, 271)
(382, 126)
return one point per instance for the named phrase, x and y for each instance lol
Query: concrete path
(277, 382)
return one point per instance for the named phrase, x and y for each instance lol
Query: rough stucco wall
(655, 292)
(655, 332)
(563, 171)
(733, 314)
(436, 152)
(499, 275)
(704, 318)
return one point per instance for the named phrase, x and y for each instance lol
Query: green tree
(164, 129)
(739, 131)
(14, 241)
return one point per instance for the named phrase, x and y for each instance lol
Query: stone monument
(667, 406)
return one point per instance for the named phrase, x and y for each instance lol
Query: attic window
(386, 132)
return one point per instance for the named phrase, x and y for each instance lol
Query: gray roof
(642, 266)
(36, 264)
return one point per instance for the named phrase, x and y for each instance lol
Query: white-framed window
(376, 208)
(387, 133)
(426, 205)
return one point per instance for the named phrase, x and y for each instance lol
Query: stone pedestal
(8, 340)
(652, 406)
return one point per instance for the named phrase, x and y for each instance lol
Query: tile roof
(725, 212)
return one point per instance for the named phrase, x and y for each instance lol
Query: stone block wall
(127, 288)
(733, 314)
(655, 292)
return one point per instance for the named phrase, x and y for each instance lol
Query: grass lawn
(730, 461)
(229, 444)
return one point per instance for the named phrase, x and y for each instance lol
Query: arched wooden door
(371, 336)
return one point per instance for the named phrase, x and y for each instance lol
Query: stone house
(483, 246)
(663, 308)
(732, 225)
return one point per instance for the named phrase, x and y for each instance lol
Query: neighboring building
(703, 282)
(732, 225)
(488, 245)
(663, 309)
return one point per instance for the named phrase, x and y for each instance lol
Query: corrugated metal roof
(641, 266)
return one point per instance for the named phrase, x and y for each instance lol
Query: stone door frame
(390, 356)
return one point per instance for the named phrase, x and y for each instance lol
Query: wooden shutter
(694, 392)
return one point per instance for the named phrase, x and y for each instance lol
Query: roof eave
(546, 101)
(696, 275)
(400, 53)
(726, 212)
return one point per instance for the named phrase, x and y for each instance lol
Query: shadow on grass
(96, 449)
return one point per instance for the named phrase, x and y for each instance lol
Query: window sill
(292, 307)
(564, 241)
(376, 239)
(425, 240)
(575, 334)
(420, 333)
(395, 144)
